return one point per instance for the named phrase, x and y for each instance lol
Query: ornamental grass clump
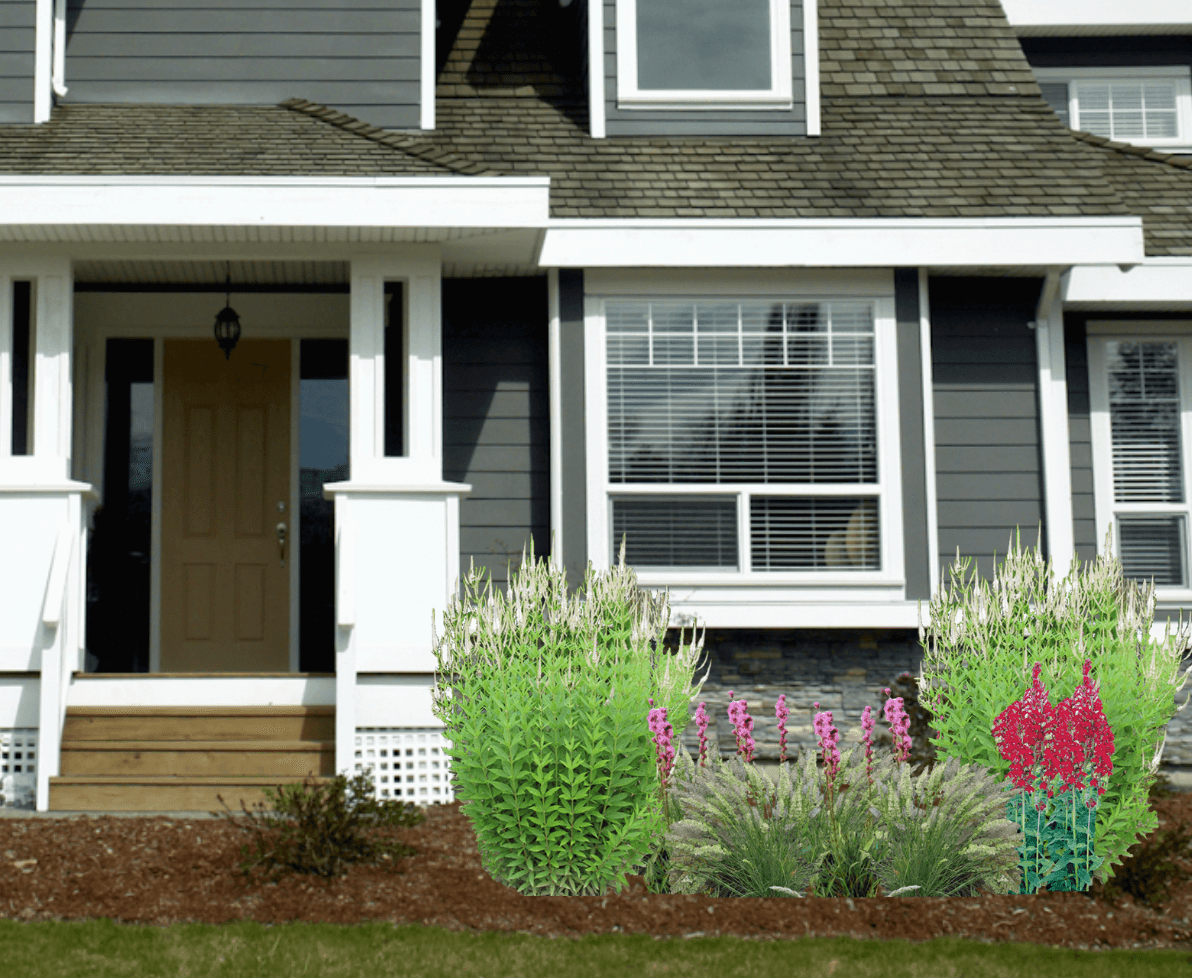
(984, 636)
(320, 828)
(854, 827)
(542, 691)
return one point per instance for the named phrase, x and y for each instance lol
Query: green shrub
(320, 828)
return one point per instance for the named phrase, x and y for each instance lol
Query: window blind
(1055, 94)
(835, 533)
(1144, 416)
(677, 533)
(1145, 430)
(1128, 109)
(713, 392)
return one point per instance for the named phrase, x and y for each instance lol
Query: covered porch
(218, 574)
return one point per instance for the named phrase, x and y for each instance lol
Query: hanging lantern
(227, 322)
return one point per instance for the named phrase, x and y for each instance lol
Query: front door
(225, 584)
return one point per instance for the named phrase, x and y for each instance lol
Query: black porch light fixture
(227, 322)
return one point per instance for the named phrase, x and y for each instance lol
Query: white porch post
(42, 599)
(1053, 424)
(397, 522)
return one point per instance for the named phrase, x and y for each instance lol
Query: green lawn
(100, 948)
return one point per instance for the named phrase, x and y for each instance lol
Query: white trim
(279, 202)
(1102, 446)
(555, 394)
(428, 24)
(1077, 17)
(596, 80)
(1053, 425)
(1154, 281)
(5, 366)
(43, 61)
(1181, 75)
(331, 489)
(59, 69)
(790, 608)
(845, 243)
(933, 521)
(888, 489)
(811, 67)
(96, 689)
(777, 96)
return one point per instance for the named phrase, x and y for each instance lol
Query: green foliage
(985, 636)
(320, 828)
(1148, 869)
(741, 833)
(544, 697)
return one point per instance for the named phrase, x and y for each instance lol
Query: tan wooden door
(225, 591)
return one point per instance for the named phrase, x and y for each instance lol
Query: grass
(100, 948)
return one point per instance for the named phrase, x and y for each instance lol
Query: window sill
(777, 103)
(762, 579)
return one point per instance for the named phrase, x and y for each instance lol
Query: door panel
(225, 595)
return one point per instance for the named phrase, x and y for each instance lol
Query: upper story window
(688, 53)
(1143, 106)
(748, 437)
(1141, 412)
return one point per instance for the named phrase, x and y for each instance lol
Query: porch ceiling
(261, 275)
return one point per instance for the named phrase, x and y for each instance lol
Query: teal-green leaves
(985, 636)
(544, 697)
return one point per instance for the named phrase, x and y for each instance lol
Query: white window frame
(777, 96)
(1098, 335)
(1180, 74)
(887, 490)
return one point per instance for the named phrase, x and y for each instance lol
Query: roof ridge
(400, 142)
(1146, 152)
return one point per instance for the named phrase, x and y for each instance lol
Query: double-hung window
(692, 53)
(745, 439)
(1140, 385)
(1149, 106)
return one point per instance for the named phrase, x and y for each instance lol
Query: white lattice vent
(18, 767)
(408, 763)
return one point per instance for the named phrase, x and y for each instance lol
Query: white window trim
(888, 489)
(777, 96)
(1180, 74)
(1098, 334)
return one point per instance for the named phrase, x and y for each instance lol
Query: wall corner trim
(596, 123)
(811, 73)
(43, 61)
(429, 24)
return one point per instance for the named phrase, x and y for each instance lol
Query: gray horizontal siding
(17, 20)
(988, 479)
(712, 122)
(358, 56)
(1080, 442)
(496, 417)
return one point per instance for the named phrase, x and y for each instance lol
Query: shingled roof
(929, 109)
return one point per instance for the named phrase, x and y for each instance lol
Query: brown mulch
(163, 870)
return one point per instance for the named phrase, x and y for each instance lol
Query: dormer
(1118, 70)
(374, 61)
(703, 68)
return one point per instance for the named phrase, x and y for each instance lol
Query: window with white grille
(1147, 106)
(743, 435)
(1139, 386)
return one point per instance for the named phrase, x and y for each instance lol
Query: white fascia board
(1075, 17)
(577, 243)
(364, 202)
(1153, 282)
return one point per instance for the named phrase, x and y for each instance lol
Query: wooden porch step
(133, 793)
(206, 723)
(296, 758)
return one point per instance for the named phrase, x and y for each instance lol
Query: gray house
(798, 298)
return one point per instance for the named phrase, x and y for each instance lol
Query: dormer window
(1149, 106)
(692, 53)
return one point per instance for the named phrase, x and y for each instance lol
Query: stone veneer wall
(844, 670)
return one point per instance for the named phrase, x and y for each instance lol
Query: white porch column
(42, 596)
(397, 521)
(1053, 424)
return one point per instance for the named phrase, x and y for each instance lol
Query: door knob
(281, 543)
